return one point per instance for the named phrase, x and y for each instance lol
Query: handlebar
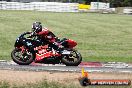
(32, 34)
(25, 33)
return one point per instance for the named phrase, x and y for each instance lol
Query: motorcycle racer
(46, 35)
(41, 45)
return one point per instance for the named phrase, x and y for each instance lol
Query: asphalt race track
(88, 66)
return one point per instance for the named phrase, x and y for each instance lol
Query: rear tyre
(20, 58)
(74, 59)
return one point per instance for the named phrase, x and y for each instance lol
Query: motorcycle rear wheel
(22, 59)
(69, 60)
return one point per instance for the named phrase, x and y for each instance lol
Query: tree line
(121, 3)
(113, 3)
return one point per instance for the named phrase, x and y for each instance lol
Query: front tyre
(22, 58)
(73, 59)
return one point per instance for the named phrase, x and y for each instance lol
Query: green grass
(45, 84)
(100, 37)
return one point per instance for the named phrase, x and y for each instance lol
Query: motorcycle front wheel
(73, 59)
(22, 58)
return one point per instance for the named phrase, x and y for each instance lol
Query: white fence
(127, 10)
(99, 5)
(40, 6)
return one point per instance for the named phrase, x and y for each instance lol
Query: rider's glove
(32, 35)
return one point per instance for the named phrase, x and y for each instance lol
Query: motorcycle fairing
(42, 53)
(71, 43)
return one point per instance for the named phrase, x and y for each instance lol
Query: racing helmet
(36, 27)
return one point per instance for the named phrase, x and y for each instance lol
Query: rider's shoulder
(45, 29)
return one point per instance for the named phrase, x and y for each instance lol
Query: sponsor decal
(29, 43)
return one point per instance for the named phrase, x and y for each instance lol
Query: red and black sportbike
(28, 50)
